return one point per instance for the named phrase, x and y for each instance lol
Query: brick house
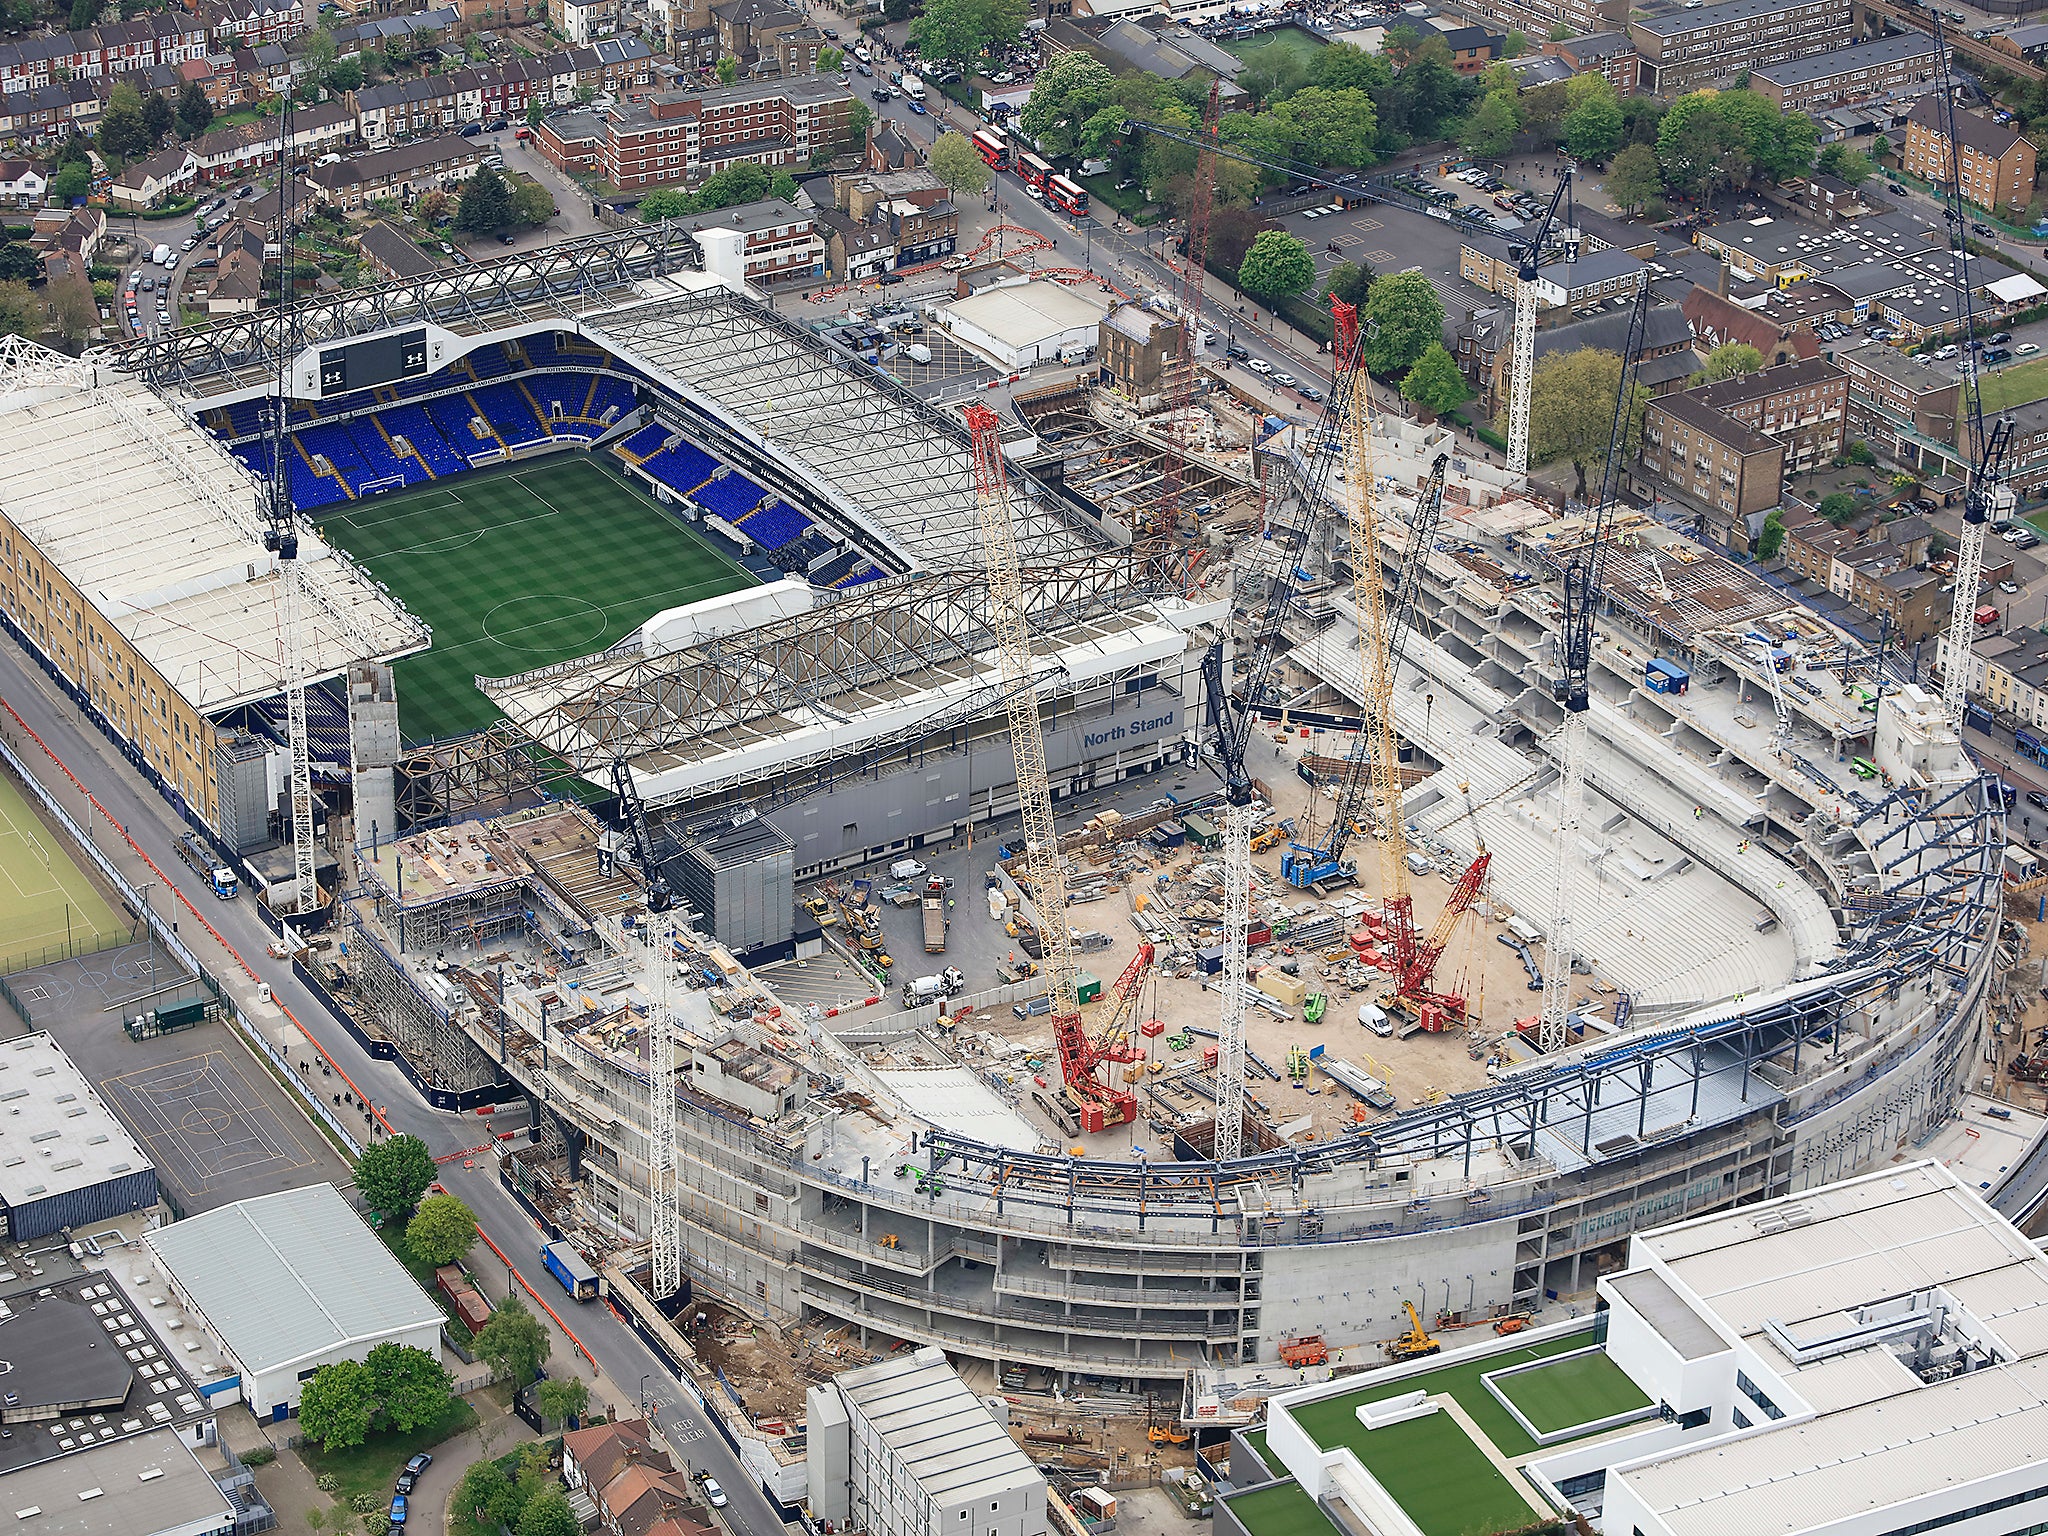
(1803, 404)
(1903, 408)
(1608, 54)
(407, 171)
(1715, 465)
(680, 138)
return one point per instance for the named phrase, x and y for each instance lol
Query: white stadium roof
(160, 528)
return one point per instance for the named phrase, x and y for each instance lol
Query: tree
(1858, 453)
(73, 309)
(1328, 127)
(1277, 265)
(122, 134)
(1403, 318)
(536, 110)
(548, 1514)
(1562, 32)
(1349, 281)
(485, 208)
(1341, 67)
(958, 30)
(195, 112)
(829, 60)
(784, 187)
(1592, 129)
(1731, 360)
(158, 118)
(18, 263)
(1067, 93)
(1231, 233)
(409, 1385)
(1571, 410)
(346, 75)
(666, 203)
(532, 203)
(1492, 126)
(1780, 144)
(563, 1397)
(20, 315)
(71, 183)
(1837, 508)
(1772, 539)
(514, 1342)
(337, 1405)
(1635, 180)
(1272, 72)
(441, 1231)
(84, 13)
(487, 1497)
(1432, 93)
(728, 70)
(433, 207)
(957, 163)
(1515, 44)
(1434, 383)
(317, 51)
(393, 1175)
(740, 182)
(1845, 163)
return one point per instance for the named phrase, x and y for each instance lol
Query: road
(620, 1356)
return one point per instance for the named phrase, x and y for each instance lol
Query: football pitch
(48, 908)
(518, 568)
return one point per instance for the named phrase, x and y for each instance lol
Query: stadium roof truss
(878, 647)
(895, 464)
(558, 281)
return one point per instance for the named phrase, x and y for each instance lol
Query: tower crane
(1986, 497)
(1180, 398)
(1232, 733)
(281, 539)
(1100, 1105)
(1529, 258)
(1573, 690)
(634, 813)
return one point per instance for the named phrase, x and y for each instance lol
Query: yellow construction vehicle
(1272, 837)
(823, 910)
(1416, 1342)
(1160, 1434)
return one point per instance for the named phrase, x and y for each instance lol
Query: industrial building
(287, 1283)
(65, 1160)
(1016, 325)
(150, 1485)
(1861, 1358)
(903, 1448)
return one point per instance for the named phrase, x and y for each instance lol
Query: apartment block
(1609, 54)
(1686, 49)
(1997, 169)
(765, 242)
(681, 138)
(1708, 460)
(1803, 404)
(1906, 64)
(1539, 18)
(2009, 672)
(1903, 408)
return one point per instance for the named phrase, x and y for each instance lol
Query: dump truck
(226, 884)
(934, 905)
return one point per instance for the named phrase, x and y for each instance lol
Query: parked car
(1289, 380)
(2035, 798)
(397, 1515)
(1996, 355)
(1895, 189)
(2024, 349)
(1260, 366)
(1311, 393)
(715, 1495)
(425, 1459)
(1236, 352)
(2009, 588)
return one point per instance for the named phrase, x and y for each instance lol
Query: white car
(2009, 588)
(714, 1493)
(1259, 365)
(1289, 380)
(2024, 349)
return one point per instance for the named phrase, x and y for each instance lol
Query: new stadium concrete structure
(1806, 964)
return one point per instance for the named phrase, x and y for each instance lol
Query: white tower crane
(1522, 368)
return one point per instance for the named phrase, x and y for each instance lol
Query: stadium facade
(809, 1185)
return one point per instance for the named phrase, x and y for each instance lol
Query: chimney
(1721, 281)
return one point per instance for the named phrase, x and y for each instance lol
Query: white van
(906, 869)
(161, 255)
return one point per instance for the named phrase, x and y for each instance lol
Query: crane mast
(1986, 497)
(1573, 691)
(1181, 396)
(1097, 1102)
(1522, 372)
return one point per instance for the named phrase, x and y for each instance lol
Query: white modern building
(903, 1448)
(1866, 1358)
(1015, 325)
(66, 1160)
(290, 1282)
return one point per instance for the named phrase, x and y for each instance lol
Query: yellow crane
(1416, 1342)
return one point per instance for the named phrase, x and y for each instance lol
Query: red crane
(1081, 1058)
(1415, 962)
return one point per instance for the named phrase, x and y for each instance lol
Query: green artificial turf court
(48, 908)
(1581, 1390)
(1280, 1509)
(520, 567)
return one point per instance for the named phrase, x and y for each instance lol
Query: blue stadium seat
(335, 443)
(837, 569)
(730, 496)
(380, 458)
(610, 395)
(507, 410)
(682, 468)
(541, 350)
(452, 413)
(774, 526)
(642, 443)
(858, 578)
(412, 423)
(246, 416)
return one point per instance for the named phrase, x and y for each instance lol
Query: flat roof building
(65, 1160)
(1904, 64)
(1684, 49)
(1862, 1358)
(150, 1485)
(287, 1283)
(1017, 324)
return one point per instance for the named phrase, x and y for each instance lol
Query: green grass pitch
(520, 567)
(1572, 1392)
(46, 902)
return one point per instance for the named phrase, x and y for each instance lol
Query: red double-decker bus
(1034, 170)
(1067, 193)
(993, 149)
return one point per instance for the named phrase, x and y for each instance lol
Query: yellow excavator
(1416, 1342)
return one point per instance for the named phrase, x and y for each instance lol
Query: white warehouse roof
(291, 1277)
(938, 1429)
(56, 1134)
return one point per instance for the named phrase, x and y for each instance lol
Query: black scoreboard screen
(377, 360)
